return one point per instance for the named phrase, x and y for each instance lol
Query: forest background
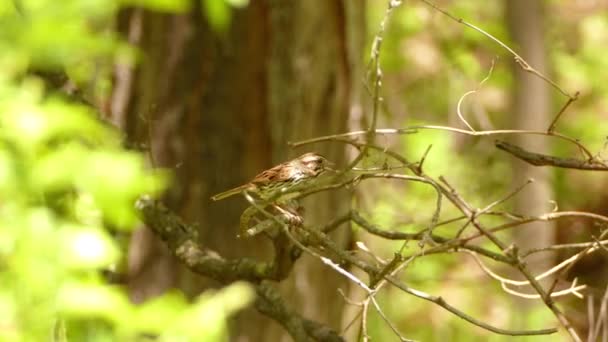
(105, 105)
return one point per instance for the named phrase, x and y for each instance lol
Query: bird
(283, 177)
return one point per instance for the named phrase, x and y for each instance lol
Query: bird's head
(315, 162)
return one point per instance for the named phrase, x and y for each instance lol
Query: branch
(464, 207)
(271, 304)
(538, 159)
(441, 302)
(522, 62)
(444, 243)
(325, 242)
(415, 129)
(182, 240)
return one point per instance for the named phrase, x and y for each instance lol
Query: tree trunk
(531, 110)
(217, 108)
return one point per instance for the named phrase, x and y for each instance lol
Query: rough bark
(217, 108)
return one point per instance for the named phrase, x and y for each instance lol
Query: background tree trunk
(531, 110)
(217, 108)
(531, 107)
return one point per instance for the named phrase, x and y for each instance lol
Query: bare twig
(572, 290)
(561, 111)
(415, 129)
(581, 245)
(601, 316)
(478, 213)
(505, 198)
(387, 321)
(423, 158)
(538, 159)
(444, 243)
(327, 243)
(590, 318)
(459, 109)
(577, 258)
(518, 221)
(506, 281)
(459, 106)
(466, 209)
(375, 61)
(441, 302)
(522, 62)
(363, 333)
(517, 263)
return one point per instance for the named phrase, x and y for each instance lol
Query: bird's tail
(229, 193)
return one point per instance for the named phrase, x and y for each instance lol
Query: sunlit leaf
(159, 314)
(161, 5)
(87, 247)
(218, 13)
(212, 308)
(90, 300)
(115, 181)
(238, 3)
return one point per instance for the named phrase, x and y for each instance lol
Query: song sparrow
(285, 177)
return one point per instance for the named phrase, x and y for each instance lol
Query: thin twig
(573, 290)
(363, 332)
(477, 213)
(459, 105)
(521, 266)
(561, 111)
(441, 302)
(545, 217)
(505, 198)
(602, 315)
(387, 321)
(590, 318)
(459, 109)
(375, 61)
(577, 258)
(580, 245)
(327, 243)
(415, 129)
(423, 158)
(522, 62)
(504, 281)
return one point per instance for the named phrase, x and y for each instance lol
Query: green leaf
(87, 248)
(161, 5)
(238, 3)
(78, 299)
(218, 14)
(115, 180)
(159, 314)
(211, 309)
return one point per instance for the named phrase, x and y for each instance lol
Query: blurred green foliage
(219, 12)
(65, 179)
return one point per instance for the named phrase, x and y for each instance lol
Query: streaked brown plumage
(283, 176)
